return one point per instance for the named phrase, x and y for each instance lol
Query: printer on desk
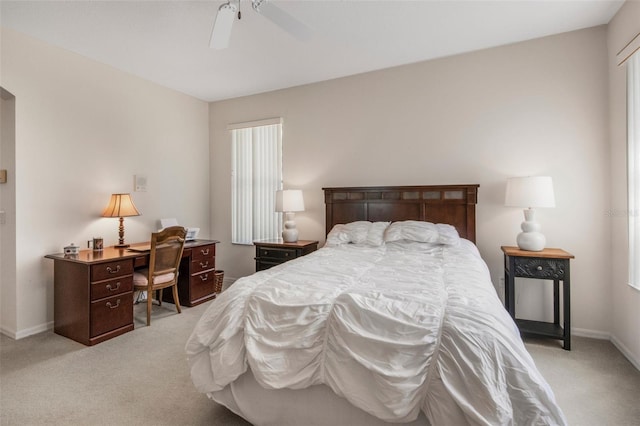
(192, 233)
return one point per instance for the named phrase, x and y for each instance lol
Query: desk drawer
(112, 287)
(107, 271)
(203, 252)
(202, 285)
(201, 265)
(541, 268)
(109, 314)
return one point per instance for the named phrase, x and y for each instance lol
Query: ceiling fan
(228, 11)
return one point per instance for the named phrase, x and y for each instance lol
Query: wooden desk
(93, 291)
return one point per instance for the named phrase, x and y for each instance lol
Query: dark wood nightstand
(548, 264)
(274, 252)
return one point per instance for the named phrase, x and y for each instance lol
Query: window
(256, 175)
(633, 154)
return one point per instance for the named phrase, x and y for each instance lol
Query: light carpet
(142, 378)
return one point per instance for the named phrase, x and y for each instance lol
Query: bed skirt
(316, 405)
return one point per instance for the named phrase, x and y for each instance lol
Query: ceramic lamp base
(290, 232)
(531, 239)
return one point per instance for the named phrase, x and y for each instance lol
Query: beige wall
(538, 107)
(7, 211)
(83, 130)
(626, 300)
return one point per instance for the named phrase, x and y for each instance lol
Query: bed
(395, 320)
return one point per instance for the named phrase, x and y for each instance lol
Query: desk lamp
(121, 206)
(530, 191)
(289, 201)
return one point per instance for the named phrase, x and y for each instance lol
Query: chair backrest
(166, 252)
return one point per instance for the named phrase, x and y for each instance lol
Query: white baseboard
(626, 352)
(581, 332)
(34, 330)
(16, 335)
(8, 333)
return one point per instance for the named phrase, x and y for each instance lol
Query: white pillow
(360, 232)
(422, 232)
(412, 230)
(338, 235)
(375, 236)
(447, 234)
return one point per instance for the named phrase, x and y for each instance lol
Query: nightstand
(274, 252)
(548, 264)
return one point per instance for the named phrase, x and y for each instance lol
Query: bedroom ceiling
(167, 42)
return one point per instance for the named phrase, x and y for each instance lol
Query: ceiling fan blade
(222, 26)
(282, 19)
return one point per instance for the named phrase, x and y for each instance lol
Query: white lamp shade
(289, 200)
(529, 191)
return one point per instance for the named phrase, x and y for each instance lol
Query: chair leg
(175, 298)
(160, 297)
(149, 303)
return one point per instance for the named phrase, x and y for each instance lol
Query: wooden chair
(164, 265)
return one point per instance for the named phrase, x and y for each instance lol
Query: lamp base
(290, 235)
(530, 239)
(122, 245)
(290, 232)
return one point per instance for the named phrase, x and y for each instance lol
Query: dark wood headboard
(452, 204)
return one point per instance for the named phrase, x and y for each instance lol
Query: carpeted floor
(142, 378)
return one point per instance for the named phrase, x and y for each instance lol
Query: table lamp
(530, 192)
(121, 206)
(289, 201)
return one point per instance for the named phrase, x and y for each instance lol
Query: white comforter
(393, 329)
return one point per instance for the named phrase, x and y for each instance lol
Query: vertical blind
(633, 158)
(256, 176)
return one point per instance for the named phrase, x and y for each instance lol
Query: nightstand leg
(556, 302)
(566, 287)
(511, 307)
(509, 285)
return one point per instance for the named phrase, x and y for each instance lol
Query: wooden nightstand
(274, 252)
(548, 264)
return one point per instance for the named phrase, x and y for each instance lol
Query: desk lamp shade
(289, 201)
(530, 192)
(120, 206)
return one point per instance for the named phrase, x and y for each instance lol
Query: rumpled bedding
(395, 329)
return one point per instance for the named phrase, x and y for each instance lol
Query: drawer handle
(113, 288)
(286, 254)
(204, 264)
(110, 306)
(112, 271)
(539, 268)
(204, 251)
(204, 277)
(266, 252)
